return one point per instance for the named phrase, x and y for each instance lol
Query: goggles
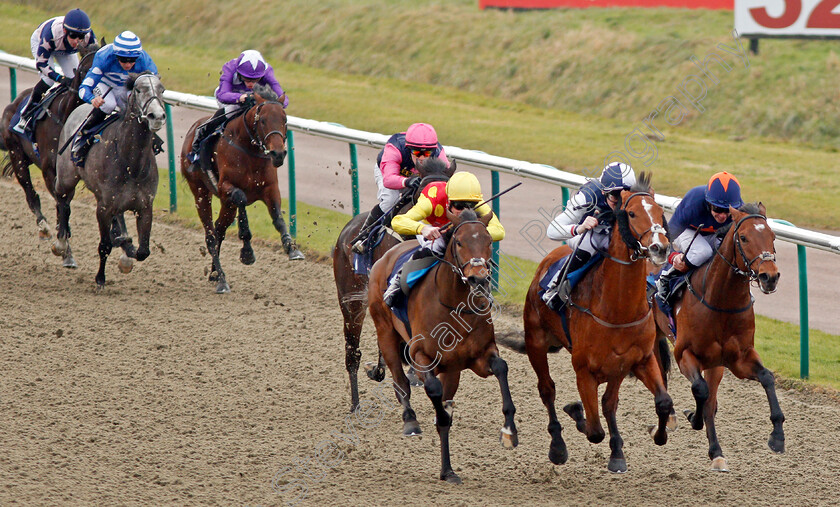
(126, 59)
(75, 35)
(462, 205)
(718, 209)
(421, 152)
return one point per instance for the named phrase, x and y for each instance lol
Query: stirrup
(359, 247)
(20, 126)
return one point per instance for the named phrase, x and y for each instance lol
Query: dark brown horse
(611, 331)
(715, 323)
(352, 287)
(22, 154)
(450, 329)
(247, 156)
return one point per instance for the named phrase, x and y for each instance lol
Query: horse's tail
(514, 340)
(7, 170)
(663, 353)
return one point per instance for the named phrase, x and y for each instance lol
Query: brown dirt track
(158, 391)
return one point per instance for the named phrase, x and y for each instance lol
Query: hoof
(412, 429)
(213, 276)
(777, 445)
(509, 438)
(222, 287)
(44, 231)
(59, 248)
(295, 255)
(69, 262)
(654, 434)
(413, 379)
(719, 465)
(374, 372)
(246, 256)
(671, 425)
(450, 477)
(558, 455)
(100, 288)
(695, 425)
(126, 264)
(617, 465)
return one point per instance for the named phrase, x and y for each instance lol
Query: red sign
(548, 4)
(788, 18)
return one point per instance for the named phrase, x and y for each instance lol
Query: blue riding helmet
(127, 45)
(77, 21)
(723, 191)
(617, 176)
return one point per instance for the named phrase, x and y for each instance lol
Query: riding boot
(157, 144)
(82, 142)
(559, 291)
(37, 94)
(360, 241)
(204, 130)
(663, 283)
(393, 288)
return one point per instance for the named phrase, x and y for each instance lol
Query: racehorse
(610, 332)
(120, 170)
(715, 324)
(352, 286)
(247, 156)
(450, 329)
(22, 152)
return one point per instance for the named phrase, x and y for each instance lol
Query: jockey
(56, 40)
(426, 218)
(104, 84)
(239, 76)
(578, 217)
(396, 169)
(702, 211)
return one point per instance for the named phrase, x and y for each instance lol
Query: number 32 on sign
(792, 18)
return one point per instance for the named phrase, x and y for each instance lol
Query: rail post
(292, 189)
(170, 141)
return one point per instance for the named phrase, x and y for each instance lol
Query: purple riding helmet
(251, 64)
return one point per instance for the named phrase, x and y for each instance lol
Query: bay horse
(450, 329)
(610, 333)
(715, 323)
(22, 153)
(247, 156)
(120, 170)
(352, 286)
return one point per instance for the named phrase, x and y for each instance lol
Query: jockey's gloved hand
(66, 81)
(413, 182)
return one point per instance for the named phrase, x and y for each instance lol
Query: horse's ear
(453, 165)
(762, 209)
(102, 42)
(486, 218)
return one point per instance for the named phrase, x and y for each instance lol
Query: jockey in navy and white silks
(702, 211)
(109, 72)
(104, 84)
(56, 41)
(578, 217)
(239, 76)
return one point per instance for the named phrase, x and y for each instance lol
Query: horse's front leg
(120, 237)
(509, 436)
(750, 367)
(272, 201)
(690, 367)
(226, 216)
(609, 403)
(61, 245)
(537, 349)
(650, 373)
(103, 217)
(585, 414)
(144, 232)
(713, 377)
(246, 254)
(441, 393)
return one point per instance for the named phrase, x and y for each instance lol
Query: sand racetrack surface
(158, 391)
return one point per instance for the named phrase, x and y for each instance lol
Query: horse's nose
(767, 282)
(656, 249)
(277, 157)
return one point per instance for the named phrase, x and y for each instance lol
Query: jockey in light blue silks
(578, 217)
(104, 84)
(56, 41)
(702, 211)
(236, 84)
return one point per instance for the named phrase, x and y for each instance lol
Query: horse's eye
(631, 213)
(457, 242)
(743, 238)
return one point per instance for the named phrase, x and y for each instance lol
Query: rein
(750, 273)
(458, 268)
(253, 136)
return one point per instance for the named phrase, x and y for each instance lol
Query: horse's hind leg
(226, 216)
(246, 254)
(33, 200)
(273, 204)
(509, 436)
(389, 351)
(61, 245)
(104, 219)
(609, 403)
(650, 373)
(353, 312)
(441, 391)
(750, 367)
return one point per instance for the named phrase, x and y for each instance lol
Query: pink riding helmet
(251, 64)
(421, 135)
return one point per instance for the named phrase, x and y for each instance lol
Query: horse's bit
(255, 140)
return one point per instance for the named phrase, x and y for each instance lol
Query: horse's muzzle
(767, 282)
(657, 253)
(156, 121)
(277, 157)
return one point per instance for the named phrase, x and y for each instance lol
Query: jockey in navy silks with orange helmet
(702, 211)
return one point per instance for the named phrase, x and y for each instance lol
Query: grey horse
(120, 170)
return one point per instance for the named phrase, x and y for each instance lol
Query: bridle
(634, 243)
(144, 109)
(458, 266)
(260, 142)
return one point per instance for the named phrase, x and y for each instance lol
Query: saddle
(549, 280)
(90, 136)
(38, 112)
(413, 270)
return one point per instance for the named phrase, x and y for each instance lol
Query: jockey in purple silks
(56, 40)
(239, 76)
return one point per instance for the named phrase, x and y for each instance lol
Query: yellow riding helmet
(464, 186)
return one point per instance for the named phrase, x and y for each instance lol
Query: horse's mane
(468, 215)
(132, 77)
(266, 92)
(751, 208)
(434, 166)
(642, 184)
